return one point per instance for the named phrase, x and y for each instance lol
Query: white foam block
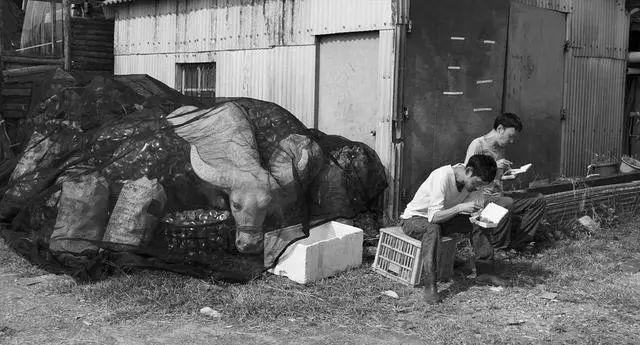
(331, 248)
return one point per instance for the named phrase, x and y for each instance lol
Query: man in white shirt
(525, 209)
(441, 206)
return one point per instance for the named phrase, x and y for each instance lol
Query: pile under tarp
(125, 172)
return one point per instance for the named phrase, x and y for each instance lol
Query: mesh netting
(125, 172)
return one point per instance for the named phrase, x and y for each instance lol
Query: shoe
(526, 250)
(490, 279)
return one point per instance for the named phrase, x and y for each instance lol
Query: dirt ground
(29, 314)
(577, 291)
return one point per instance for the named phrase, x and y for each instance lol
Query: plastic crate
(398, 257)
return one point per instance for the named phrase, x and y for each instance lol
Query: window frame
(205, 79)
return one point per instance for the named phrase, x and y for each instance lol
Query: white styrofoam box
(494, 213)
(331, 248)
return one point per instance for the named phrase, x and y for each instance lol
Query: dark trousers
(429, 234)
(519, 226)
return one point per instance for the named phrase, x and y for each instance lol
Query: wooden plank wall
(17, 88)
(91, 44)
(91, 51)
(17, 98)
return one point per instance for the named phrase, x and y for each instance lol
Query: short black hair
(508, 120)
(483, 166)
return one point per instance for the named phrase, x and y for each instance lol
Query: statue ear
(294, 159)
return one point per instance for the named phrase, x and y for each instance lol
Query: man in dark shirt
(526, 209)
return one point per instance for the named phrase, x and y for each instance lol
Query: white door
(348, 86)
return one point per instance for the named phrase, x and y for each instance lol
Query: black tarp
(117, 129)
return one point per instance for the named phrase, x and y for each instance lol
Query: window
(41, 28)
(197, 79)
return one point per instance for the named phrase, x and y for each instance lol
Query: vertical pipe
(1, 61)
(565, 122)
(183, 79)
(1, 40)
(397, 120)
(53, 27)
(200, 85)
(66, 34)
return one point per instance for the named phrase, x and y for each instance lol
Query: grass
(16, 264)
(596, 279)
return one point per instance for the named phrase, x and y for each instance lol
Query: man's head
(508, 126)
(480, 171)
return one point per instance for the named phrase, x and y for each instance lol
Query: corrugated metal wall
(263, 48)
(595, 79)
(599, 28)
(556, 5)
(334, 16)
(595, 104)
(169, 26)
(164, 26)
(284, 75)
(206, 25)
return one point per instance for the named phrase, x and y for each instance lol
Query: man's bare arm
(445, 215)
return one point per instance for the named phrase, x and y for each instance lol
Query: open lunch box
(489, 217)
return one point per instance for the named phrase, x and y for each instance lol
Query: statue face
(249, 207)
